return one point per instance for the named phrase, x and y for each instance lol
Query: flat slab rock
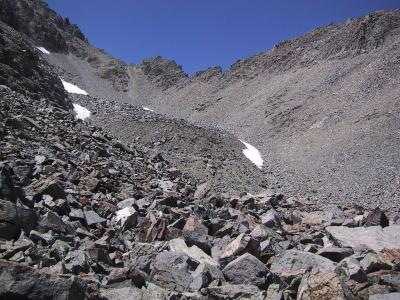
(374, 237)
(293, 263)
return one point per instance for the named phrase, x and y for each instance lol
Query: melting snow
(81, 112)
(73, 89)
(148, 109)
(253, 154)
(43, 50)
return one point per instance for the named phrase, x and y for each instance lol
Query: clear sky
(198, 34)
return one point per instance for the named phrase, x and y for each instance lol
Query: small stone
(196, 233)
(353, 269)
(243, 243)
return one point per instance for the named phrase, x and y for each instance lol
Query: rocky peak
(44, 26)
(165, 73)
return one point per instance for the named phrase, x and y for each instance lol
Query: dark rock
(50, 186)
(196, 233)
(372, 262)
(376, 218)
(334, 253)
(7, 190)
(13, 218)
(21, 282)
(76, 262)
(246, 269)
(51, 221)
(171, 271)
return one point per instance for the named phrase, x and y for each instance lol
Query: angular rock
(271, 219)
(353, 270)
(231, 291)
(196, 233)
(293, 263)
(246, 269)
(261, 233)
(372, 262)
(178, 246)
(92, 218)
(21, 282)
(13, 218)
(7, 190)
(243, 243)
(126, 218)
(171, 271)
(374, 237)
(376, 218)
(320, 285)
(76, 262)
(50, 186)
(130, 202)
(51, 221)
(202, 190)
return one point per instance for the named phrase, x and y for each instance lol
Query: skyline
(199, 35)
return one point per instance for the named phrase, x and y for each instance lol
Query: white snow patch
(43, 50)
(147, 109)
(73, 89)
(253, 154)
(81, 113)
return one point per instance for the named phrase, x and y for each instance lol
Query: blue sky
(203, 33)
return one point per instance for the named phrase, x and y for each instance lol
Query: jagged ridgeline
(140, 182)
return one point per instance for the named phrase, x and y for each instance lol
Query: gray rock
(76, 215)
(13, 218)
(372, 262)
(376, 218)
(171, 271)
(246, 269)
(202, 190)
(76, 262)
(50, 186)
(261, 233)
(243, 243)
(130, 202)
(271, 219)
(26, 283)
(92, 218)
(123, 292)
(389, 296)
(353, 270)
(293, 263)
(196, 233)
(125, 218)
(231, 291)
(178, 246)
(51, 221)
(374, 237)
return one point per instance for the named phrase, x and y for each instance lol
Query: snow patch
(253, 154)
(43, 50)
(73, 89)
(147, 109)
(81, 113)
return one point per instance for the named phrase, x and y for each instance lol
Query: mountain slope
(322, 109)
